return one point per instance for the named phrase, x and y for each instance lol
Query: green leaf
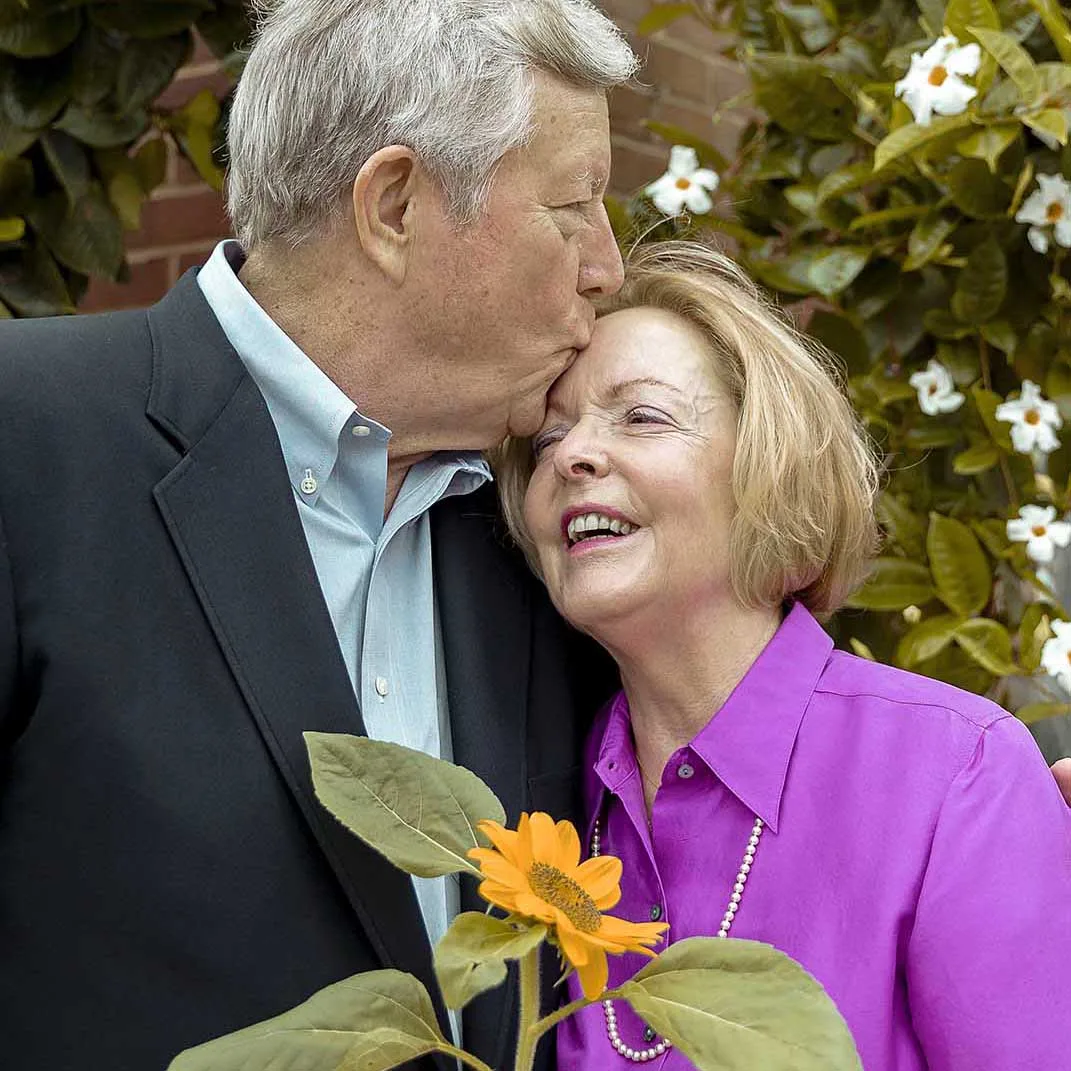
(1050, 121)
(317, 1035)
(980, 457)
(472, 955)
(84, 234)
(46, 35)
(101, 129)
(31, 283)
(708, 155)
(1034, 629)
(1013, 58)
(385, 1048)
(195, 127)
(961, 15)
(976, 191)
(420, 812)
(150, 161)
(158, 19)
(800, 96)
(910, 138)
(961, 573)
(861, 649)
(740, 1005)
(926, 239)
(894, 584)
(1001, 334)
(988, 643)
(990, 143)
(982, 283)
(1056, 24)
(830, 271)
(926, 640)
(933, 14)
(905, 527)
(662, 15)
(840, 335)
(847, 179)
(68, 161)
(1034, 712)
(32, 92)
(12, 228)
(932, 436)
(96, 57)
(986, 402)
(146, 68)
(16, 184)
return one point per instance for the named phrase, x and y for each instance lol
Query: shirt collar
(308, 408)
(748, 745)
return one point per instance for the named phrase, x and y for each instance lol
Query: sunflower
(535, 871)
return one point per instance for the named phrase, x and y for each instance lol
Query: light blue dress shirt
(376, 573)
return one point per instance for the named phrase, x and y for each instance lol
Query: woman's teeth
(589, 525)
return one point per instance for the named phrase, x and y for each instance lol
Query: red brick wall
(682, 81)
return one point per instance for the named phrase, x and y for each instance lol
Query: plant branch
(526, 1041)
(466, 1058)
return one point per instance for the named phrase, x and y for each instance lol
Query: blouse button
(685, 771)
(656, 912)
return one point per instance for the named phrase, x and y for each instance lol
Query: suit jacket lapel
(229, 508)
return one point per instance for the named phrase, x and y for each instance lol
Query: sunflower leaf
(471, 957)
(319, 1034)
(737, 1005)
(419, 812)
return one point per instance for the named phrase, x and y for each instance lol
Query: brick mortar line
(137, 257)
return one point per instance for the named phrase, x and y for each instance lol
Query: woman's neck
(678, 678)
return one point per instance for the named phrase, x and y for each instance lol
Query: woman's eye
(646, 416)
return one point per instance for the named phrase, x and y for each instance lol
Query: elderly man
(259, 508)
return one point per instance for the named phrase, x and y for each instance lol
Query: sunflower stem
(548, 1022)
(526, 1039)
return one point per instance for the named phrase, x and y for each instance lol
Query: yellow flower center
(1032, 416)
(1038, 530)
(684, 184)
(938, 76)
(550, 884)
(1055, 212)
(933, 388)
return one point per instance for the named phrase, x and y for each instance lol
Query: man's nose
(601, 270)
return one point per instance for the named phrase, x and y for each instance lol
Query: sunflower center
(1055, 212)
(938, 76)
(550, 884)
(683, 184)
(1032, 416)
(1038, 530)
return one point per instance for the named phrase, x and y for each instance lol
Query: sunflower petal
(601, 880)
(498, 895)
(505, 840)
(498, 868)
(630, 935)
(544, 838)
(568, 846)
(594, 974)
(533, 907)
(574, 947)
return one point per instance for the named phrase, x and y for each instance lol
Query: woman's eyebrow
(640, 381)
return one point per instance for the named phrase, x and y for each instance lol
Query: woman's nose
(580, 455)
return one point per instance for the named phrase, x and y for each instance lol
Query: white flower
(1056, 653)
(937, 393)
(684, 185)
(934, 82)
(1048, 206)
(1038, 528)
(1032, 419)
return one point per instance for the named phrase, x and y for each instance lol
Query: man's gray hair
(330, 82)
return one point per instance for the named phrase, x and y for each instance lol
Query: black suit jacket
(166, 874)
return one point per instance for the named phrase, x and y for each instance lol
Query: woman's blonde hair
(804, 474)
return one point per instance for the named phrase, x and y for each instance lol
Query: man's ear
(383, 208)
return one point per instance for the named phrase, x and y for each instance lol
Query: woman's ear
(383, 208)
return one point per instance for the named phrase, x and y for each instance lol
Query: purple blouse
(916, 858)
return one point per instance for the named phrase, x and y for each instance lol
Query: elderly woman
(699, 495)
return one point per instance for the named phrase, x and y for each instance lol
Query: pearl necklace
(641, 1056)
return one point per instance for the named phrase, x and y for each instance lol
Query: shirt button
(381, 686)
(308, 484)
(685, 771)
(656, 912)
(361, 430)
(649, 1033)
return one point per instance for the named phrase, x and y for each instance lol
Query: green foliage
(82, 144)
(897, 243)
